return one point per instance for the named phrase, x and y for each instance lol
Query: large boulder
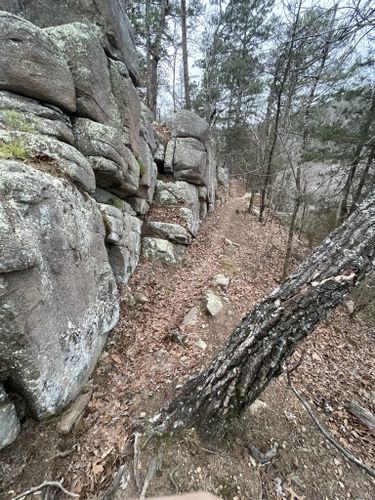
(189, 161)
(186, 123)
(116, 168)
(29, 115)
(80, 44)
(176, 193)
(32, 65)
(110, 15)
(59, 296)
(50, 154)
(9, 423)
(163, 250)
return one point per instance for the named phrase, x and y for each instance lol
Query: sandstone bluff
(86, 187)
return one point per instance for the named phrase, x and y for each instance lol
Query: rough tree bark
(268, 335)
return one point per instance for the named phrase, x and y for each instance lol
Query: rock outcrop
(187, 190)
(85, 182)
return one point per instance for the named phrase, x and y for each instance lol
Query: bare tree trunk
(275, 128)
(153, 85)
(268, 335)
(148, 59)
(185, 54)
(303, 215)
(364, 131)
(251, 202)
(296, 205)
(362, 181)
(153, 49)
(306, 121)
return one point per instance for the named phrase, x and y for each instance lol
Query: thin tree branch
(325, 433)
(54, 484)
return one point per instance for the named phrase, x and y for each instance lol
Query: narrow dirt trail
(142, 368)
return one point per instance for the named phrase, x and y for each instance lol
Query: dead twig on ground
(325, 433)
(53, 484)
(363, 415)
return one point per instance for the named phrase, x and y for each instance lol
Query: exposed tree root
(53, 484)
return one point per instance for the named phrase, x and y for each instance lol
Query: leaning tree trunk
(268, 335)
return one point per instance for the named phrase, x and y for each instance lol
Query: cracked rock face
(110, 15)
(40, 71)
(81, 46)
(58, 293)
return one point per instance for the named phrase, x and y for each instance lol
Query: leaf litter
(142, 368)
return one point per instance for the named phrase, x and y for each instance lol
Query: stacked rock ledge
(81, 174)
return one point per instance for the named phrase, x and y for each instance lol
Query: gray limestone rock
(171, 232)
(186, 123)
(147, 131)
(103, 196)
(163, 250)
(32, 65)
(191, 218)
(9, 423)
(58, 304)
(189, 161)
(57, 157)
(110, 15)
(175, 193)
(223, 177)
(80, 43)
(220, 280)
(169, 156)
(148, 170)
(113, 221)
(212, 302)
(159, 154)
(116, 168)
(29, 115)
(191, 317)
(139, 205)
(128, 103)
(124, 255)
